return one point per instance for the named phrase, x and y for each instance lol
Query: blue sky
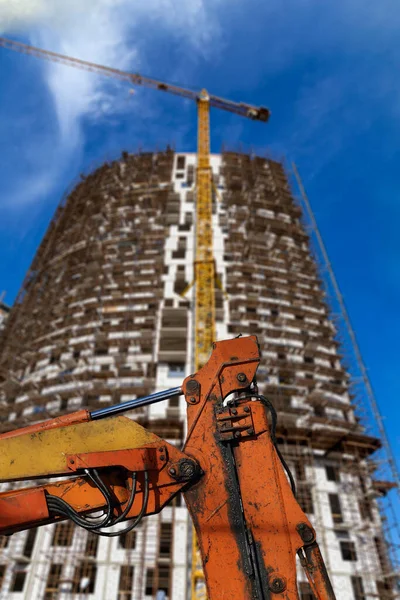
(328, 71)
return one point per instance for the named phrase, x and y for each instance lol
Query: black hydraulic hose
(59, 505)
(130, 501)
(274, 419)
(137, 520)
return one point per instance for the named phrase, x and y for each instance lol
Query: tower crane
(204, 264)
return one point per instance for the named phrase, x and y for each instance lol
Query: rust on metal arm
(248, 523)
(117, 447)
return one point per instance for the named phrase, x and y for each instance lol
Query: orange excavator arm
(236, 484)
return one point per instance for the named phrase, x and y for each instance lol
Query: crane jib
(245, 110)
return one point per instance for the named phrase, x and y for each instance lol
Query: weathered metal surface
(157, 458)
(186, 469)
(234, 423)
(248, 523)
(151, 458)
(244, 511)
(270, 509)
(316, 572)
(81, 416)
(38, 453)
(25, 507)
(213, 508)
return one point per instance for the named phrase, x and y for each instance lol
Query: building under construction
(101, 318)
(4, 312)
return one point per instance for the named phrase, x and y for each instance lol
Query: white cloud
(114, 33)
(119, 33)
(103, 33)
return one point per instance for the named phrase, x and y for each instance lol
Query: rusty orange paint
(317, 574)
(152, 457)
(270, 508)
(21, 509)
(209, 501)
(84, 497)
(244, 502)
(81, 416)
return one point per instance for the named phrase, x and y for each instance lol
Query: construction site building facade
(4, 312)
(101, 319)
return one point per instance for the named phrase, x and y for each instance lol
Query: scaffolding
(383, 467)
(84, 333)
(276, 283)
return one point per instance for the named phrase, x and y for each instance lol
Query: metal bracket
(235, 423)
(192, 392)
(152, 458)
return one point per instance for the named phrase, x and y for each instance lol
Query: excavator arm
(236, 485)
(113, 465)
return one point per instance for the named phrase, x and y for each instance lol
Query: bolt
(277, 585)
(247, 409)
(162, 458)
(238, 434)
(161, 449)
(71, 460)
(184, 470)
(187, 469)
(241, 377)
(192, 400)
(305, 532)
(308, 536)
(234, 411)
(192, 386)
(250, 431)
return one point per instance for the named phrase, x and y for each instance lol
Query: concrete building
(100, 319)
(4, 312)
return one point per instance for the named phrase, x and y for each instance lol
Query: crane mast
(204, 285)
(204, 257)
(204, 264)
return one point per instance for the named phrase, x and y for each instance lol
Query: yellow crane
(204, 270)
